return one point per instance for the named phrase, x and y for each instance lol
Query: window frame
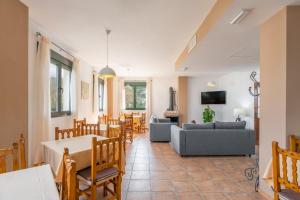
(61, 63)
(135, 85)
(101, 96)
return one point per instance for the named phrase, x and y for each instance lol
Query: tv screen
(215, 97)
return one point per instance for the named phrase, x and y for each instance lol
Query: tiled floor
(154, 171)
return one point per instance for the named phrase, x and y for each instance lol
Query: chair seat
(85, 174)
(286, 194)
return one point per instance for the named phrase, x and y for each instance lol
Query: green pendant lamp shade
(107, 72)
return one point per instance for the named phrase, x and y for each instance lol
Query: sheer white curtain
(149, 100)
(41, 97)
(95, 93)
(75, 85)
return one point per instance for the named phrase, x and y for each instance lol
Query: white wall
(235, 84)
(160, 94)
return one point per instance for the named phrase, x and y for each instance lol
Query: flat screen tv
(213, 97)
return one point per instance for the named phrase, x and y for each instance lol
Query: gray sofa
(219, 138)
(160, 129)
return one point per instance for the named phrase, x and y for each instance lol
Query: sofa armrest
(160, 132)
(178, 139)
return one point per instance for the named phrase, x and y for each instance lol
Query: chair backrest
(105, 154)
(128, 120)
(135, 113)
(66, 133)
(113, 121)
(22, 155)
(69, 181)
(102, 119)
(294, 143)
(77, 123)
(90, 129)
(143, 118)
(16, 152)
(283, 179)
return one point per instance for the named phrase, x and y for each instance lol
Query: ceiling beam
(209, 22)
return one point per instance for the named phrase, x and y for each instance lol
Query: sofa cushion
(198, 126)
(230, 125)
(164, 120)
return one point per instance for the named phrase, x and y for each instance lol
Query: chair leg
(104, 190)
(93, 192)
(119, 185)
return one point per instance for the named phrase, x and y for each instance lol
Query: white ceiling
(228, 47)
(147, 35)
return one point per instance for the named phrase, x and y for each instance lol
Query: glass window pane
(129, 97)
(101, 94)
(54, 87)
(140, 97)
(65, 89)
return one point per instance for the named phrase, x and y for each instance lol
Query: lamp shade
(239, 111)
(107, 72)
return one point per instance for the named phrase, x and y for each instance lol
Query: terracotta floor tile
(138, 196)
(140, 167)
(140, 175)
(163, 196)
(139, 186)
(184, 186)
(214, 196)
(161, 186)
(188, 196)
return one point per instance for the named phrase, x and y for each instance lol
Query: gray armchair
(160, 130)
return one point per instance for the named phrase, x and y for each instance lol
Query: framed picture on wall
(84, 90)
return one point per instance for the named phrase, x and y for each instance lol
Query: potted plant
(208, 115)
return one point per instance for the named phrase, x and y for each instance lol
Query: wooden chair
(90, 129)
(67, 133)
(113, 126)
(69, 181)
(143, 123)
(294, 143)
(128, 127)
(105, 168)
(78, 123)
(135, 113)
(17, 153)
(291, 187)
(103, 119)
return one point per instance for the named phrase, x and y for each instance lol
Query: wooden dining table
(79, 150)
(36, 183)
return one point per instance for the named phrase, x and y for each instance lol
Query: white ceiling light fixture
(211, 84)
(241, 16)
(107, 72)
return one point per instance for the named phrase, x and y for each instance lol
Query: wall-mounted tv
(213, 97)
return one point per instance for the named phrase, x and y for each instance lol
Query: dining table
(36, 183)
(79, 150)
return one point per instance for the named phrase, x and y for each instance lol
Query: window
(101, 93)
(135, 95)
(60, 85)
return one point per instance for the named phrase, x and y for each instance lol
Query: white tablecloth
(79, 150)
(35, 183)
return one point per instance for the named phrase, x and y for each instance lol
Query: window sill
(60, 114)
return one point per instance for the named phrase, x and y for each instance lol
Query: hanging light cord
(107, 33)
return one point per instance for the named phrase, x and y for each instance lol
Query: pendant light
(107, 72)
